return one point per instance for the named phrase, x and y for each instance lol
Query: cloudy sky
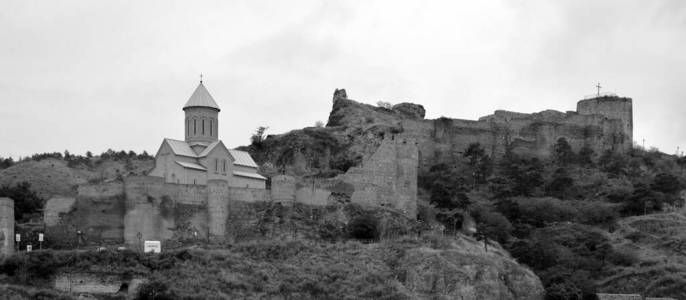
(92, 75)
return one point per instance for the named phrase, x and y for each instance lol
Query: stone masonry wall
(389, 177)
(6, 226)
(88, 283)
(535, 134)
(156, 210)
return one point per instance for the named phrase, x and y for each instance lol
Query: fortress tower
(6, 226)
(201, 117)
(612, 107)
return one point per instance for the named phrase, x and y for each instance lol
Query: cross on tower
(200, 77)
(598, 86)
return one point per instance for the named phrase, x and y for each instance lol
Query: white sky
(92, 75)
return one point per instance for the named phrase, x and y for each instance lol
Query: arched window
(216, 165)
(195, 126)
(224, 160)
(188, 126)
(203, 126)
(211, 125)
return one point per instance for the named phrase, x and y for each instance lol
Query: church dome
(201, 98)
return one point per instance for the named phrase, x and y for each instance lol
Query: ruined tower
(612, 107)
(201, 122)
(217, 208)
(6, 226)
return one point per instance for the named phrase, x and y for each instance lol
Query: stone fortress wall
(6, 226)
(603, 123)
(147, 208)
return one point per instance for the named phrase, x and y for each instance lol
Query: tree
(525, 174)
(258, 137)
(562, 152)
(6, 162)
(681, 162)
(492, 225)
(666, 183)
(479, 161)
(89, 154)
(586, 156)
(26, 201)
(560, 184)
(613, 163)
(447, 187)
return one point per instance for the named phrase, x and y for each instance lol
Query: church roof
(201, 98)
(189, 165)
(208, 149)
(249, 175)
(242, 158)
(180, 148)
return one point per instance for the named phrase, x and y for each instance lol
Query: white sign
(40, 237)
(17, 237)
(152, 246)
(29, 248)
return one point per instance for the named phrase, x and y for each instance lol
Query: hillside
(540, 207)
(56, 176)
(585, 218)
(409, 268)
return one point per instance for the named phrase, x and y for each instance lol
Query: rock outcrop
(466, 271)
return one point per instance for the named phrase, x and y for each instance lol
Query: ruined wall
(283, 189)
(612, 107)
(389, 177)
(217, 208)
(6, 226)
(89, 283)
(97, 212)
(156, 210)
(444, 139)
(166, 211)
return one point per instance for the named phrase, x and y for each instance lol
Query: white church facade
(202, 156)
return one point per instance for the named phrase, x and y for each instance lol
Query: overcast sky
(93, 75)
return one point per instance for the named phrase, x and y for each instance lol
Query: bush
(492, 224)
(26, 201)
(154, 290)
(364, 227)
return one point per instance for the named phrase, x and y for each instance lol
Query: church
(201, 156)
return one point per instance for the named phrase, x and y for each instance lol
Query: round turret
(6, 226)
(612, 107)
(202, 117)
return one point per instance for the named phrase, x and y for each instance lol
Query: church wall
(214, 162)
(194, 132)
(244, 182)
(244, 169)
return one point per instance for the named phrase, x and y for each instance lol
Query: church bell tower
(201, 121)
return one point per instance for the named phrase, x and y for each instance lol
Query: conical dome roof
(201, 98)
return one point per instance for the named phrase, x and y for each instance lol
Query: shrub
(492, 224)
(562, 152)
(26, 201)
(364, 227)
(154, 290)
(541, 211)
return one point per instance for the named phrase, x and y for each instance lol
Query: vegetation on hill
(52, 174)
(557, 215)
(407, 268)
